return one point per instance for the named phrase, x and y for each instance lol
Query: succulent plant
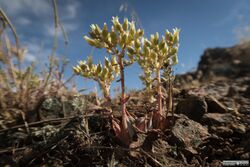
(103, 74)
(123, 42)
(127, 44)
(158, 55)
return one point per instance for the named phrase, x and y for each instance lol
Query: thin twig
(5, 17)
(51, 120)
(56, 21)
(10, 149)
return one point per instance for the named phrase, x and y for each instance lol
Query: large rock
(224, 124)
(215, 106)
(194, 107)
(229, 62)
(221, 131)
(217, 119)
(247, 92)
(188, 134)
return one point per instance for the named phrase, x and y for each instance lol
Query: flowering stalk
(103, 74)
(117, 41)
(154, 56)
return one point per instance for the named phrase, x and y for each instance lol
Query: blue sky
(204, 24)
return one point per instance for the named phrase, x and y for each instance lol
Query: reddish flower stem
(159, 92)
(124, 115)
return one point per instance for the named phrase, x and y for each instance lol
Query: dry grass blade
(58, 25)
(7, 20)
(56, 22)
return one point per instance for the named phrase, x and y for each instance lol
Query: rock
(216, 163)
(222, 131)
(194, 107)
(217, 119)
(232, 91)
(238, 152)
(245, 156)
(239, 128)
(52, 104)
(229, 62)
(188, 134)
(51, 108)
(214, 106)
(247, 92)
(244, 109)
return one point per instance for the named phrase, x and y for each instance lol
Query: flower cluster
(127, 45)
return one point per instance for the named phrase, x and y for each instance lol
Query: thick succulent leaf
(104, 73)
(139, 33)
(76, 70)
(113, 38)
(117, 24)
(97, 29)
(175, 59)
(105, 31)
(90, 61)
(125, 24)
(90, 41)
(106, 62)
(98, 69)
(132, 29)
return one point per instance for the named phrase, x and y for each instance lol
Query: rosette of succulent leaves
(102, 74)
(118, 41)
(157, 57)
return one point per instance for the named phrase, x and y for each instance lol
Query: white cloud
(68, 27)
(242, 33)
(123, 7)
(15, 7)
(32, 51)
(237, 13)
(70, 11)
(30, 57)
(40, 8)
(36, 52)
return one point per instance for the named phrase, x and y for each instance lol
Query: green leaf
(99, 44)
(173, 51)
(98, 69)
(117, 24)
(113, 38)
(92, 35)
(90, 41)
(175, 59)
(137, 43)
(123, 40)
(106, 61)
(105, 31)
(125, 24)
(76, 70)
(176, 35)
(162, 43)
(131, 50)
(113, 60)
(164, 49)
(132, 29)
(156, 38)
(139, 33)
(104, 73)
(153, 55)
(97, 29)
(90, 61)
(147, 43)
(146, 50)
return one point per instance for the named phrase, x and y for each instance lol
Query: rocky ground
(211, 123)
